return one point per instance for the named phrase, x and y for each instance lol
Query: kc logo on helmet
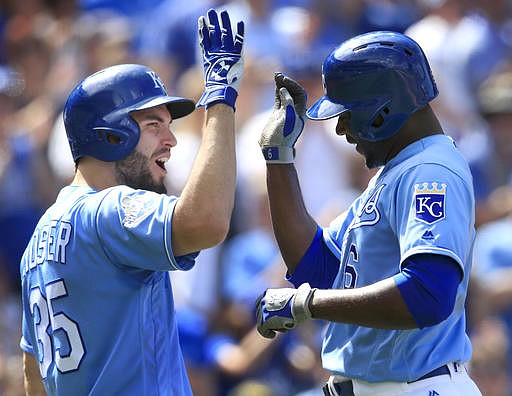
(158, 82)
(430, 201)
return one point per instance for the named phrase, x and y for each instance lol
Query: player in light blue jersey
(390, 275)
(98, 311)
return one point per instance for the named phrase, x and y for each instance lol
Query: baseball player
(98, 314)
(390, 274)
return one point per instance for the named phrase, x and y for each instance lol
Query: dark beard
(134, 172)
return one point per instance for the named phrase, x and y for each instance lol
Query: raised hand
(222, 58)
(286, 122)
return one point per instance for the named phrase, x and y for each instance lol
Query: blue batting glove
(222, 59)
(283, 309)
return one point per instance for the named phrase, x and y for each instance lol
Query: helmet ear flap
(108, 144)
(114, 143)
(379, 124)
(105, 135)
(380, 117)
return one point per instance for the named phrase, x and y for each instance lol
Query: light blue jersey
(421, 202)
(98, 311)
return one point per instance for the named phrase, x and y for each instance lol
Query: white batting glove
(222, 59)
(286, 122)
(283, 309)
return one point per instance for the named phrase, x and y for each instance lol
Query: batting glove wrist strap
(222, 59)
(278, 155)
(300, 304)
(216, 95)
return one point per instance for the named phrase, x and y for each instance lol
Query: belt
(434, 373)
(346, 388)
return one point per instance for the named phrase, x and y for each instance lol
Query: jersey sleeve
(26, 336)
(428, 284)
(27, 327)
(433, 211)
(319, 266)
(134, 227)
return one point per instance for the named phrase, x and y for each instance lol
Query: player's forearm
(379, 306)
(212, 179)
(294, 228)
(205, 206)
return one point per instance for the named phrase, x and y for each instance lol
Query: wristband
(282, 155)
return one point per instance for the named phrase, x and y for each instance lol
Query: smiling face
(144, 168)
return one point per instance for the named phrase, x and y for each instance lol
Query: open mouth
(161, 163)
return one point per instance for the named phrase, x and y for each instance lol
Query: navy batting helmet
(101, 104)
(381, 78)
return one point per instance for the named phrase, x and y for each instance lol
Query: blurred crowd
(47, 46)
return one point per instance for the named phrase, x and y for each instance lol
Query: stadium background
(46, 46)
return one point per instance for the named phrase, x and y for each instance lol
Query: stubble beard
(133, 171)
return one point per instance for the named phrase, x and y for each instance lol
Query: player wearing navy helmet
(98, 310)
(391, 273)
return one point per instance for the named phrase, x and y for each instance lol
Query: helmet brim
(178, 107)
(324, 108)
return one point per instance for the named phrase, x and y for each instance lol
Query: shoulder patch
(135, 208)
(430, 201)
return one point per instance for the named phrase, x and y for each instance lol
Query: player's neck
(422, 124)
(93, 173)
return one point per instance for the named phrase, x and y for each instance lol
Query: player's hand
(286, 122)
(283, 309)
(222, 58)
